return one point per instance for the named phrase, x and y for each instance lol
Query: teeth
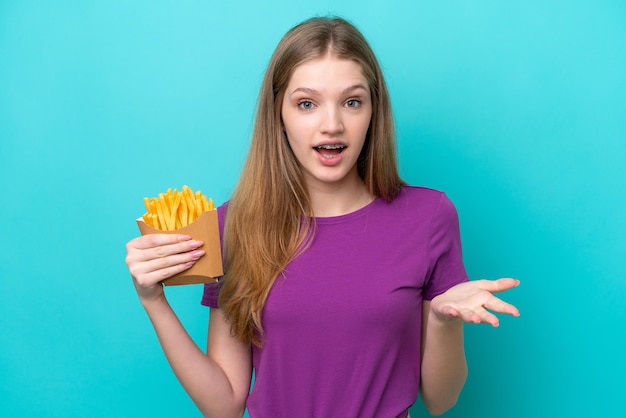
(333, 146)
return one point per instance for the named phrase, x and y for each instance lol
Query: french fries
(173, 209)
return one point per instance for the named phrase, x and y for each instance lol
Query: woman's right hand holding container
(153, 258)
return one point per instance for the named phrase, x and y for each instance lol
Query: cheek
(287, 120)
(361, 127)
(298, 131)
(292, 140)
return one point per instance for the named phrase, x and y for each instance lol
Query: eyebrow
(349, 89)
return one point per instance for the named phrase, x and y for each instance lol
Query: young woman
(344, 288)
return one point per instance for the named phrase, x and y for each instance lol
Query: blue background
(517, 109)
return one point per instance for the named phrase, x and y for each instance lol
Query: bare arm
(218, 382)
(444, 368)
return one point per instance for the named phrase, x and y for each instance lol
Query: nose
(331, 122)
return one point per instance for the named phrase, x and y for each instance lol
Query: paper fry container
(209, 266)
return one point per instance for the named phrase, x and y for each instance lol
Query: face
(326, 113)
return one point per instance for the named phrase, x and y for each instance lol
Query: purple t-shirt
(343, 325)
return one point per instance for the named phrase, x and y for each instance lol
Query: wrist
(153, 302)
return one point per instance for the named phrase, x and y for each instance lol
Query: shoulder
(415, 207)
(221, 216)
(422, 198)
(221, 210)
(419, 193)
(424, 203)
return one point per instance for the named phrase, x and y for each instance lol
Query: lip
(330, 159)
(321, 144)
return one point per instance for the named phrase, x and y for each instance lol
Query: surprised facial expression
(326, 113)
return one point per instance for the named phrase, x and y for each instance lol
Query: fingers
(474, 301)
(155, 257)
(150, 276)
(499, 285)
(479, 315)
(154, 240)
(485, 312)
(498, 305)
(150, 247)
(476, 315)
(481, 308)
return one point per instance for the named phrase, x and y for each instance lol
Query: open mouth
(330, 150)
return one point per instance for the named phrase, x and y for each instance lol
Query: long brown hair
(269, 218)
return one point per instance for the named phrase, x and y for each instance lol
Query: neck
(339, 199)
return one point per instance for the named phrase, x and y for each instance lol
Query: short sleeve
(211, 291)
(446, 267)
(210, 295)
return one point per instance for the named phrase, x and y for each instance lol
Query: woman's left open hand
(474, 301)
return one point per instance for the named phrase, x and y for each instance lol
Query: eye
(305, 104)
(353, 103)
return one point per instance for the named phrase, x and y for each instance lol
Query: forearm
(444, 368)
(203, 379)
